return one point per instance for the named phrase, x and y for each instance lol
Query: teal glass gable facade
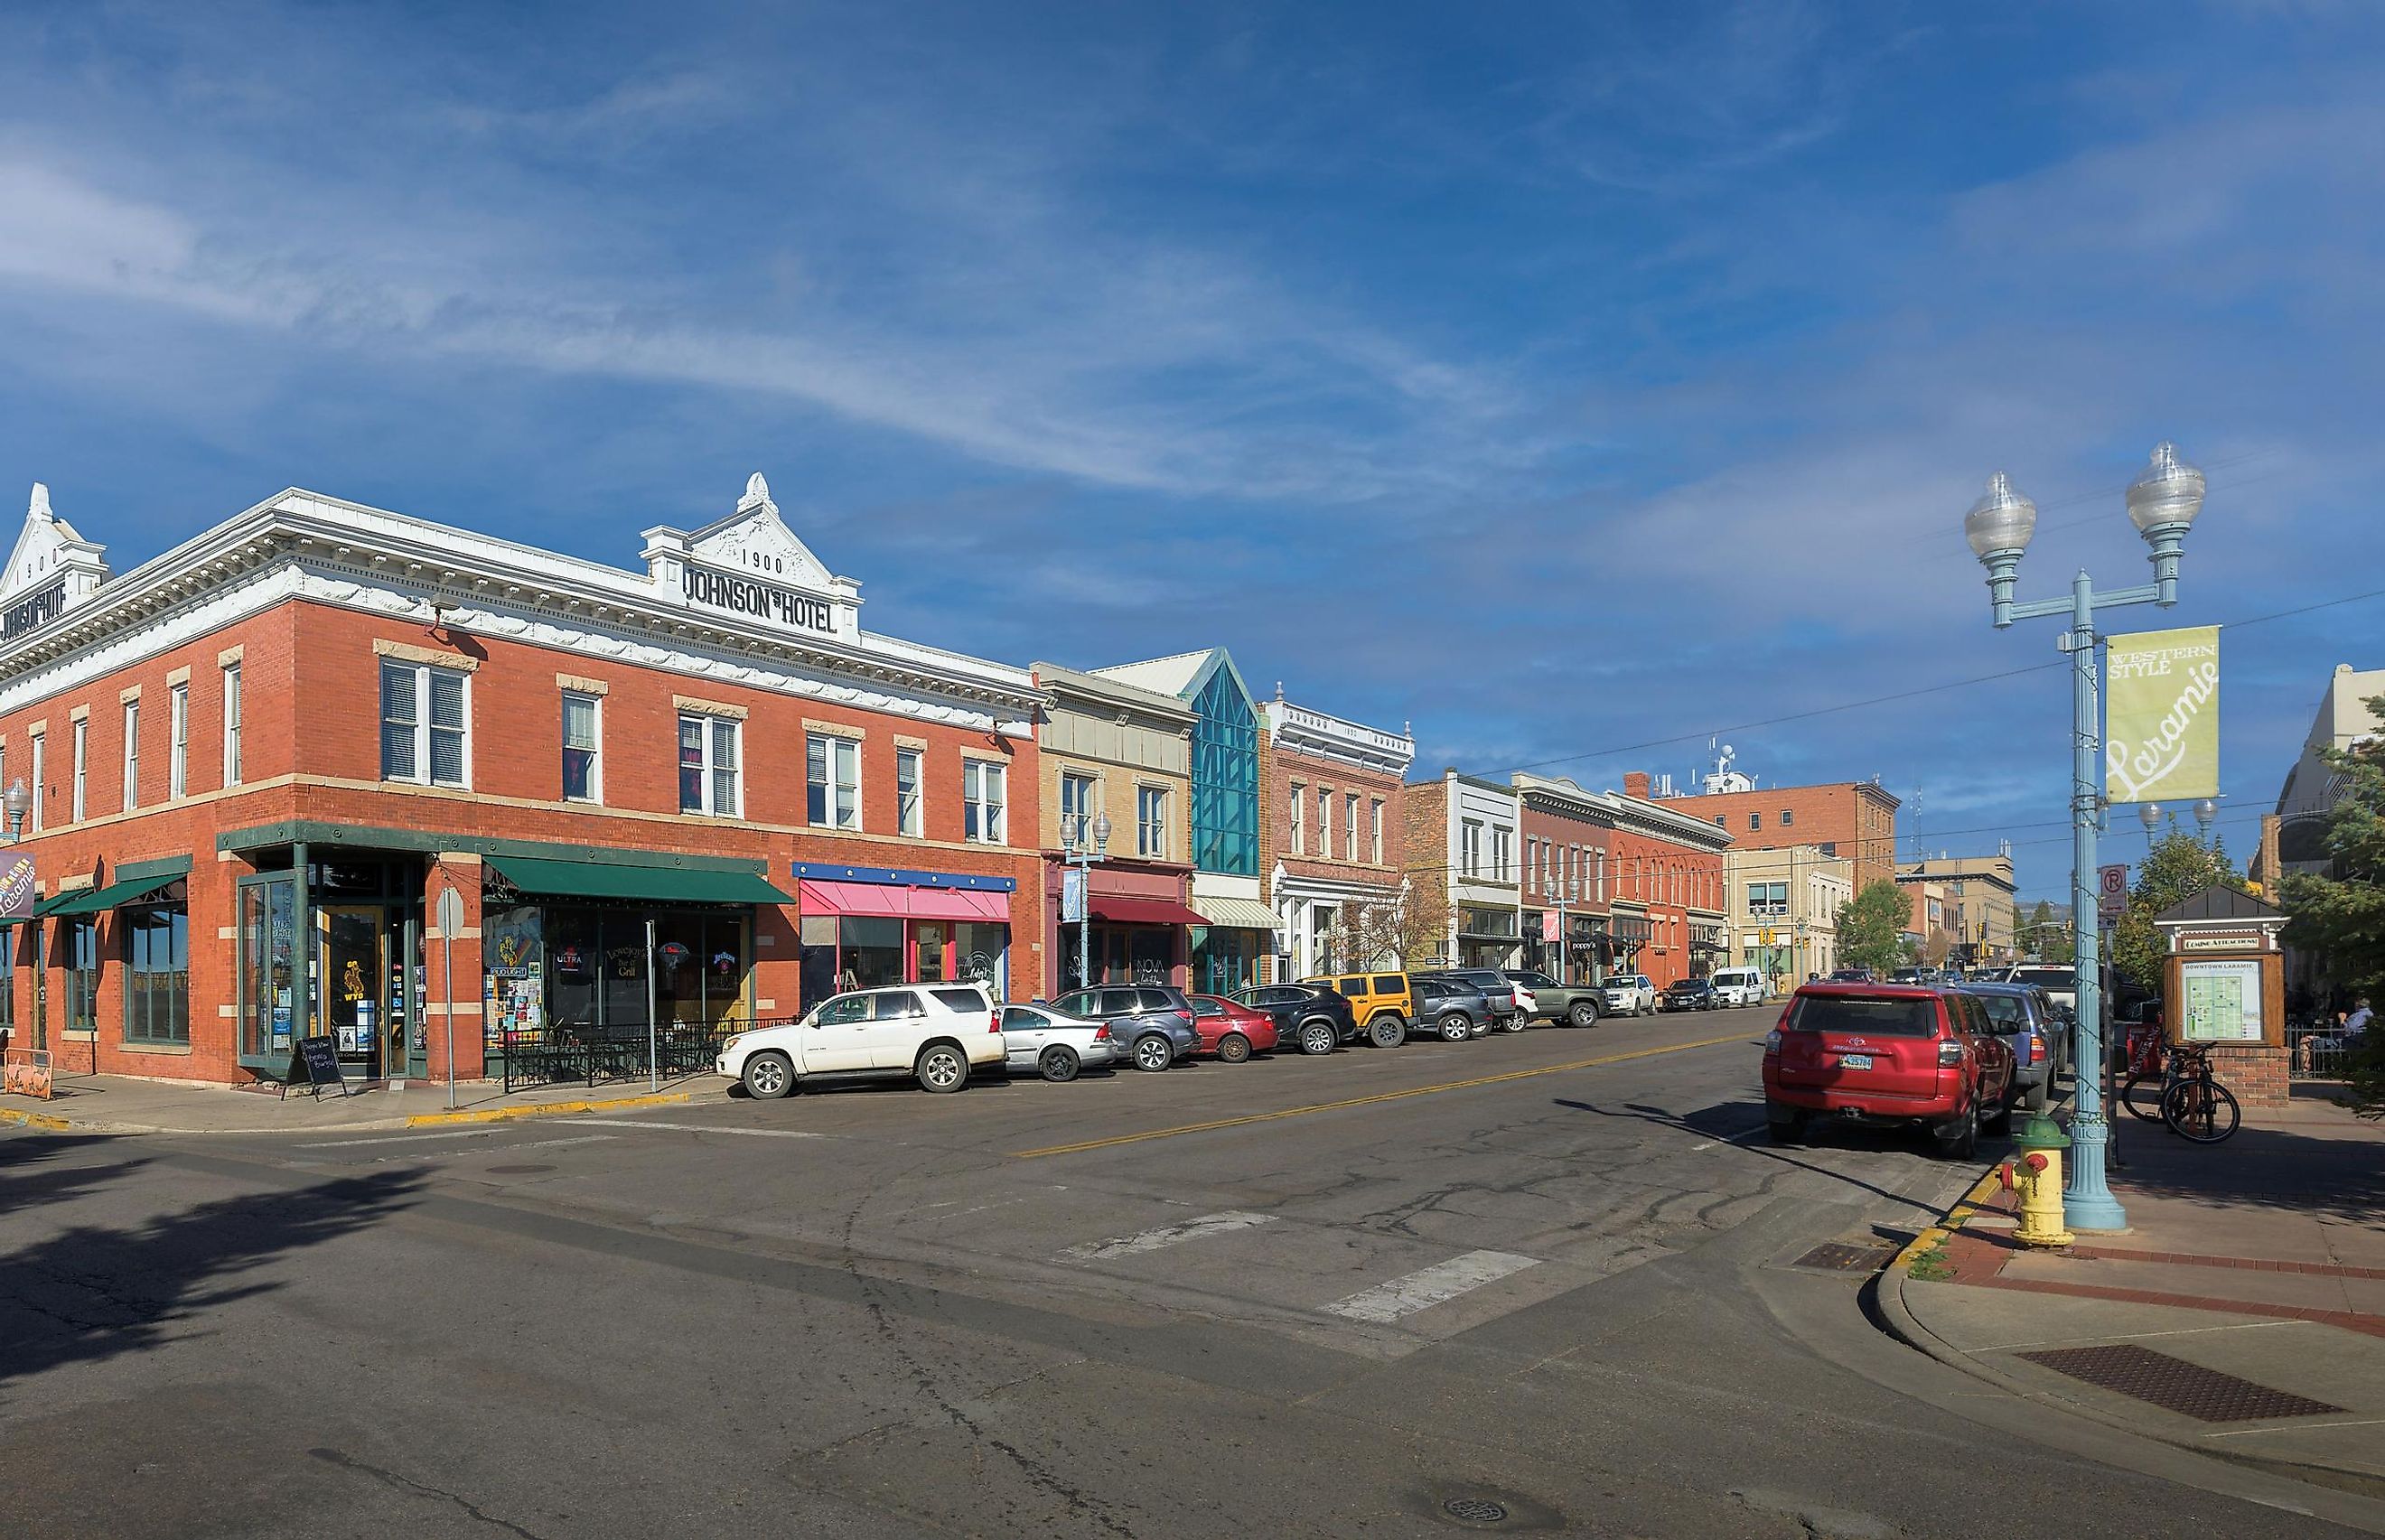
(1225, 774)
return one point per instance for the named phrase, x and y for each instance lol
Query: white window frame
(1349, 825)
(1088, 800)
(1325, 822)
(840, 798)
(1470, 847)
(420, 674)
(1300, 817)
(1503, 853)
(911, 799)
(594, 748)
(990, 813)
(178, 742)
(81, 764)
(132, 754)
(1150, 822)
(41, 774)
(709, 767)
(1374, 819)
(233, 706)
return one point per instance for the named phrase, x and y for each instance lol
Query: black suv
(1311, 1015)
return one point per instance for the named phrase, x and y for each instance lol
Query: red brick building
(1666, 905)
(257, 760)
(1332, 839)
(1568, 836)
(1852, 820)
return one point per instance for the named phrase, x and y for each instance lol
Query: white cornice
(1336, 737)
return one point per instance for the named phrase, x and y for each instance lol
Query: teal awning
(650, 884)
(97, 901)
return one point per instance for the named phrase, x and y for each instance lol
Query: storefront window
(157, 974)
(980, 951)
(871, 946)
(1223, 961)
(268, 938)
(818, 936)
(595, 965)
(83, 976)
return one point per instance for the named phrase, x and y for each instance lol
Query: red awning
(912, 903)
(1144, 912)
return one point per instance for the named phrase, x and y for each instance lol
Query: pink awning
(820, 896)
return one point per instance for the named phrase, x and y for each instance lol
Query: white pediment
(751, 563)
(52, 569)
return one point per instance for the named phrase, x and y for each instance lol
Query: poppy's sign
(2161, 735)
(16, 884)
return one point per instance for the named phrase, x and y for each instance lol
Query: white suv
(1629, 995)
(936, 1033)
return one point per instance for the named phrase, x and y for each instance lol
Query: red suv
(1888, 1054)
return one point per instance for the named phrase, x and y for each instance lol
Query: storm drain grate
(2175, 1385)
(1839, 1257)
(1475, 1510)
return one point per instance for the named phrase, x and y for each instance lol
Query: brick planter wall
(2257, 1074)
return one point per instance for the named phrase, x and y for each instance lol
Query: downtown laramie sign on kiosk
(259, 757)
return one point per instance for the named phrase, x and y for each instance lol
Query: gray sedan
(1037, 1039)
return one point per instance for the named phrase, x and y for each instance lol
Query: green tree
(2340, 914)
(2046, 936)
(2179, 867)
(1871, 926)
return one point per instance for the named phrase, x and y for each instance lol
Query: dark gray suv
(1152, 1023)
(1448, 1008)
(1498, 992)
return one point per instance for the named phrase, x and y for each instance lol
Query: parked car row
(1953, 1059)
(940, 1033)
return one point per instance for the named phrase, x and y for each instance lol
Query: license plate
(1854, 1061)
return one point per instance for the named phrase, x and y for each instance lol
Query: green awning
(97, 901)
(600, 880)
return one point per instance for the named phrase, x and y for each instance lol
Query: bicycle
(2144, 1063)
(2195, 1106)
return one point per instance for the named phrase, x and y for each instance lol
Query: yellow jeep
(1382, 1003)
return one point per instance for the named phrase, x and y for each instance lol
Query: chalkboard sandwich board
(319, 1057)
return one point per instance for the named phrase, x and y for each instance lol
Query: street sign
(2112, 891)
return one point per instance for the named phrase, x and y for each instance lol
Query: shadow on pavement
(1715, 1123)
(29, 1176)
(2337, 1179)
(92, 1293)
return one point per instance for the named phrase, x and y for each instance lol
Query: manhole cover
(1840, 1256)
(2188, 1389)
(518, 1170)
(1475, 1510)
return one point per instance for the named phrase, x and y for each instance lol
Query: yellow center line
(1370, 1101)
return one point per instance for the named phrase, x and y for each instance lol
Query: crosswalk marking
(1166, 1235)
(705, 1128)
(1431, 1286)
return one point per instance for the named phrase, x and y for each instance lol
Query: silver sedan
(1037, 1039)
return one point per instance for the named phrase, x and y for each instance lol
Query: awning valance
(1235, 914)
(1144, 912)
(605, 879)
(98, 900)
(886, 899)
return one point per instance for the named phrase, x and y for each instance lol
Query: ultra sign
(742, 595)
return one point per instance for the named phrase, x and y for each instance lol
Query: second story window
(1788, 816)
(1503, 853)
(832, 781)
(1324, 820)
(1469, 848)
(1755, 820)
(81, 741)
(41, 790)
(708, 780)
(1150, 822)
(582, 748)
(1350, 827)
(1375, 831)
(232, 724)
(178, 740)
(131, 756)
(423, 725)
(909, 817)
(984, 797)
(1299, 819)
(1075, 804)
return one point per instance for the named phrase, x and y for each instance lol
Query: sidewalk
(114, 1104)
(2240, 1315)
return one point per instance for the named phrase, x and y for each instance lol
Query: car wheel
(1154, 1054)
(1388, 1030)
(1455, 1028)
(1058, 1064)
(1516, 1022)
(1584, 1013)
(942, 1067)
(1233, 1048)
(769, 1076)
(1316, 1037)
(1958, 1138)
(1786, 1124)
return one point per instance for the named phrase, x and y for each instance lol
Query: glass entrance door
(355, 1008)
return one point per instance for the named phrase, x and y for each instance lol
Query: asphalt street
(1562, 1271)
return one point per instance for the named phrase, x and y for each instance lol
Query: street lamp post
(1083, 852)
(17, 802)
(2161, 503)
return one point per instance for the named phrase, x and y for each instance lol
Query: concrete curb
(1907, 1328)
(51, 1123)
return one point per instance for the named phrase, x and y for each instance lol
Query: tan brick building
(1331, 835)
(1981, 890)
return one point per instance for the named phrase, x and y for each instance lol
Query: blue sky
(1556, 379)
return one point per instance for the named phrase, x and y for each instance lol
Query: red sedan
(1231, 1031)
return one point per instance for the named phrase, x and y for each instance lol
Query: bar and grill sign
(2160, 731)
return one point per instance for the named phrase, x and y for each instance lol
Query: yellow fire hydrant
(2035, 1172)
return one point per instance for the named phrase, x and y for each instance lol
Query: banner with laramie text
(2161, 715)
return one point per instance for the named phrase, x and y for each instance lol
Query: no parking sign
(2112, 891)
